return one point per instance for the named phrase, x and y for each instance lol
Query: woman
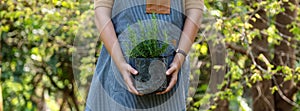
(112, 18)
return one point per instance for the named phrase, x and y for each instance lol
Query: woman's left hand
(173, 71)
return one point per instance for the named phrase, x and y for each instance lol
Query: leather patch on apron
(158, 6)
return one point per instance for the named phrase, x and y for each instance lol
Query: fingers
(128, 80)
(132, 70)
(126, 71)
(171, 84)
(130, 86)
(171, 70)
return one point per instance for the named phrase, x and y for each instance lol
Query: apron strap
(158, 6)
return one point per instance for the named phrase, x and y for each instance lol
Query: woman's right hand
(109, 38)
(126, 71)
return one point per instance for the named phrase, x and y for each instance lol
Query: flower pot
(152, 74)
(151, 58)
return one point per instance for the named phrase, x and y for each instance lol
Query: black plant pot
(151, 58)
(152, 76)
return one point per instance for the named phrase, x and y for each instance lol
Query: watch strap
(181, 52)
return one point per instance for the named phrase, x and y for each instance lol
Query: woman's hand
(126, 71)
(187, 38)
(111, 43)
(173, 71)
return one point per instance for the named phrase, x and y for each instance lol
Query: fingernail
(167, 73)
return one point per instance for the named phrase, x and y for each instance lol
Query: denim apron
(108, 92)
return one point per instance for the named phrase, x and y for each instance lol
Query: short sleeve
(196, 4)
(103, 3)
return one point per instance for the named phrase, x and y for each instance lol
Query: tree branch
(237, 48)
(283, 96)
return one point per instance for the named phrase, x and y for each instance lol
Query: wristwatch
(181, 52)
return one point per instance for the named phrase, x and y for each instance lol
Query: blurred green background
(49, 49)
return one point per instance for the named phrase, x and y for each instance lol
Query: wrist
(179, 59)
(121, 65)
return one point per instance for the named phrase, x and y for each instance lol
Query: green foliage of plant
(150, 47)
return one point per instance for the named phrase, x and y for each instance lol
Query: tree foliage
(37, 44)
(262, 41)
